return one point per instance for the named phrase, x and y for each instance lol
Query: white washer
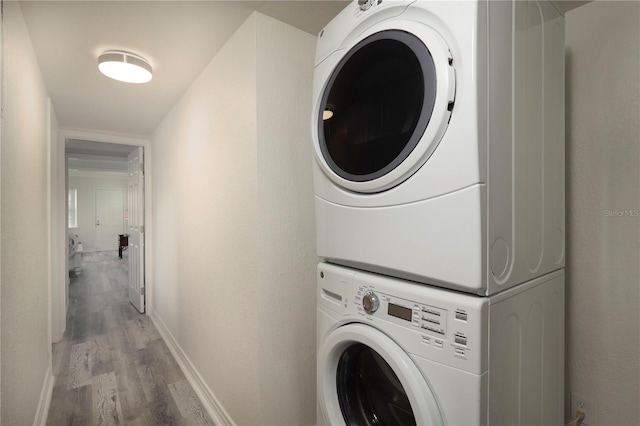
(403, 353)
(438, 130)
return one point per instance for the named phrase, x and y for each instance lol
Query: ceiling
(178, 38)
(83, 155)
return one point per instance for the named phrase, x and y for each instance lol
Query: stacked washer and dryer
(438, 129)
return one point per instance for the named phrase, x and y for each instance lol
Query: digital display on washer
(400, 312)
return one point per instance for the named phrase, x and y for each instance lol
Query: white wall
(86, 183)
(286, 224)
(204, 202)
(603, 249)
(24, 208)
(234, 261)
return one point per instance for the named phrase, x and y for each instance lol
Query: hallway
(112, 366)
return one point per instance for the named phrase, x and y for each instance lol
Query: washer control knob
(365, 4)
(370, 302)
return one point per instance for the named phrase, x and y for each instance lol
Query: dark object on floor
(123, 243)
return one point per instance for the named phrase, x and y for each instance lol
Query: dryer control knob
(370, 302)
(365, 4)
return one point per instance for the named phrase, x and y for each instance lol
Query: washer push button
(415, 319)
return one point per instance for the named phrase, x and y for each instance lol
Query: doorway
(96, 161)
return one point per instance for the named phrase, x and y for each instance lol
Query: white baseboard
(215, 410)
(45, 399)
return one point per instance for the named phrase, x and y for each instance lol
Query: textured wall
(603, 223)
(233, 210)
(286, 224)
(25, 271)
(204, 204)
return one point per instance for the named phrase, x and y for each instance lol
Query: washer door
(365, 378)
(385, 107)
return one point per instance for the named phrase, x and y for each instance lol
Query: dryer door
(384, 107)
(365, 378)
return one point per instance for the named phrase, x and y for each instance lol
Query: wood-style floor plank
(70, 407)
(79, 326)
(79, 366)
(96, 303)
(97, 324)
(141, 332)
(101, 355)
(132, 396)
(106, 402)
(61, 355)
(112, 366)
(113, 317)
(188, 403)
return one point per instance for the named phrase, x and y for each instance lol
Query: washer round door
(365, 378)
(384, 107)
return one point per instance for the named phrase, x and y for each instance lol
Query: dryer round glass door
(378, 103)
(365, 378)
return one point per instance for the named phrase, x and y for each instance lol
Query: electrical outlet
(580, 403)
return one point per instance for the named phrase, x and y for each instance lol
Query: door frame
(59, 290)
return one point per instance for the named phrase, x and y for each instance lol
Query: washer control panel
(443, 329)
(432, 323)
(428, 319)
(431, 319)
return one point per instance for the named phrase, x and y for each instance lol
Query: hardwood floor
(112, 367)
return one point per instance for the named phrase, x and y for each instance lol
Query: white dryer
(438, 129)
(392, 352)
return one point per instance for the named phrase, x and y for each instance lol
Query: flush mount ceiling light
(124, 66)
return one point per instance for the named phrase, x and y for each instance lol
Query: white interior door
(136, 228)
(109, 218)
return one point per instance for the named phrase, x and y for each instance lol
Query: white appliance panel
(501, 358)
(505, 134)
